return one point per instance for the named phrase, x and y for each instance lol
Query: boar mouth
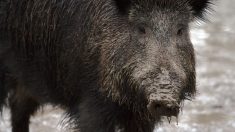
(166, 98)
(163, 105)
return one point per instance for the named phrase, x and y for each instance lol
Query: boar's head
(147, 59)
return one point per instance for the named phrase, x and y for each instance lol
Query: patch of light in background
(198, 37)
(5, 121)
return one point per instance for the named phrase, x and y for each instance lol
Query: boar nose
(163, 108)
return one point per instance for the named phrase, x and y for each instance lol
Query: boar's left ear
(199, 6)
(123, 6)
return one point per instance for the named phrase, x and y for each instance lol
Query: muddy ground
(213, 110)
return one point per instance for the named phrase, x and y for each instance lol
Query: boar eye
(141, 29)
(180, 31)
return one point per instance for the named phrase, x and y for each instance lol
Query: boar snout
(163, 105)
(163, 89)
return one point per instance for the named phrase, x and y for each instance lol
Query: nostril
(169, 109)
(158, 105)
(163, 108)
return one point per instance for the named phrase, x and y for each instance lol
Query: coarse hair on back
(198, 7)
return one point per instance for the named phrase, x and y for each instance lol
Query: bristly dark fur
(199, 7)
(56, 52)
(3, 93)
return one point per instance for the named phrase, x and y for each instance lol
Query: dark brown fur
(74, 53)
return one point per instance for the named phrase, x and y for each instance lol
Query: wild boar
(111, 64)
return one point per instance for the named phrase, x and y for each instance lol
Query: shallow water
(213, 110)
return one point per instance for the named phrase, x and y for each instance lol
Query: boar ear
(123, 5)
(199, 7)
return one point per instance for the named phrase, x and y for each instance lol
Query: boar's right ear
(199, 7)
(123, 6)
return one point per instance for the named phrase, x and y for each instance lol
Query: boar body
(111, 64)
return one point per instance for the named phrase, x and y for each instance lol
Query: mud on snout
(165, 91)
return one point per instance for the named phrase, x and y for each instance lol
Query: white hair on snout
(178, 69)
(161, 76)
(142, 70)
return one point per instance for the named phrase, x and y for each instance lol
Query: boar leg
(135, 124)
(21, 108)
(96, 116)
